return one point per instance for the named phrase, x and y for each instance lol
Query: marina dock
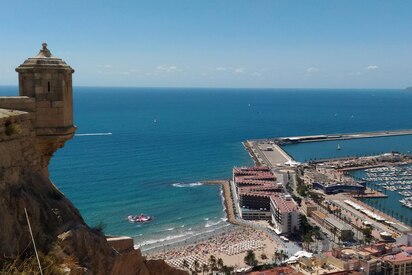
(317, 138)
(370, 193)
(267, 153)
(270, 152)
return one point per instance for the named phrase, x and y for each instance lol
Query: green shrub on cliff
(12, 128)
(29, 265)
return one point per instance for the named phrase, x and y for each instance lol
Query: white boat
(338, 148)
(139, 218)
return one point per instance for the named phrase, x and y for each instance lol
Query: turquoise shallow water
(161, 137)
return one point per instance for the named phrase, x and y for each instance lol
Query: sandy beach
(231, 246)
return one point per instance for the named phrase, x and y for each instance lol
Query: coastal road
(358, 217)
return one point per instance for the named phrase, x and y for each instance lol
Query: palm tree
(220, 263)
(185, 264)
(196, 265)
(276, 256)
(227, 269)
(250, 258)
(283, 256)
(333, 230)
(307, 239)
(212, 262)
(205, 268)
(367, 235)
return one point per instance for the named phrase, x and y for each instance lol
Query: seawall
(228, 202)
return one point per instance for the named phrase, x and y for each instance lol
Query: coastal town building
(330, 223)
(334, 225)
(335, 187)
(399, 263)
(331, 181)
(351, 259)
(254, 186)
(285, 214)
(308, 207)
(374, 259)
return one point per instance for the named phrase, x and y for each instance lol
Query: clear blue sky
(215, 43)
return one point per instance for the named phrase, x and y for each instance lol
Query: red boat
(139, 218)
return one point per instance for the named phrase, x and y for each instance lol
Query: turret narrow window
(48, 86)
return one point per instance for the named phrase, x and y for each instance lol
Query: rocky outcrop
(57, 225)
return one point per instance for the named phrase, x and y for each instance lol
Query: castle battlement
(44, 108)
(45, 89)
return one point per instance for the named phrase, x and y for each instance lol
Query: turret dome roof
(44, 60)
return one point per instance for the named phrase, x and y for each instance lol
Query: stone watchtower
(48, 80)
(43, 111)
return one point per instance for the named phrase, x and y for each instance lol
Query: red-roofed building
(254, 186)
(285, 214)
(398, 264)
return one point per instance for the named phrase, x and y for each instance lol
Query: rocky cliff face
(57, 225)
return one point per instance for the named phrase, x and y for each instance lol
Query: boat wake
(186, 185)
(93, 134)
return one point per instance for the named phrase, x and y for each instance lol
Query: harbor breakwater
(227, 197)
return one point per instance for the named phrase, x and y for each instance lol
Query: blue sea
(144, 150)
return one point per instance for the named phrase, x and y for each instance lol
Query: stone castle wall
(22, 103)
(17, 152)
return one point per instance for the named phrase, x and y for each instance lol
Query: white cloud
(312, 70)
(365, 71)
(234, 70)
(107, 66)
(166, 69)
(238, 70)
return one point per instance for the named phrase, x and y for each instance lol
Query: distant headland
(408, 89)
